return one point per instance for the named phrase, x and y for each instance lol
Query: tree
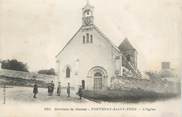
(14, 65)
(47, 71)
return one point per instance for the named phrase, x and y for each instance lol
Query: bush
(14, 65)
(132, 95)
(47, 71)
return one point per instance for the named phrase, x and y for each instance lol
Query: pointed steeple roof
(126, 45)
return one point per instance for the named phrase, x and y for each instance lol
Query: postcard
(118, 58)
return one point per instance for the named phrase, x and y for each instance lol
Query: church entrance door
(97, 78)
(97, 81)
(83, 84)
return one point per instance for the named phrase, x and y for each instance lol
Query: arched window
(68, 71)
(87, 38)
(88, 12)
(83, 39)
(91, 39)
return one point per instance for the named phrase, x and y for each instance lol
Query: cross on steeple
(88, 2)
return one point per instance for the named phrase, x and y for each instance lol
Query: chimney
(165, 65)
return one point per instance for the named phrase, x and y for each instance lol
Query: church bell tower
(87, 15)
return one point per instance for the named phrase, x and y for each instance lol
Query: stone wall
(156, 85)
(26, 75)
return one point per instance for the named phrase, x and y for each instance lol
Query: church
(91, 60)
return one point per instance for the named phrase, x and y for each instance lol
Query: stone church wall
(98, 53)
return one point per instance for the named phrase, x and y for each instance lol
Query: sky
(34, 31)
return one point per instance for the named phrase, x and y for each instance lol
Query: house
(91, 60)
(167, 72)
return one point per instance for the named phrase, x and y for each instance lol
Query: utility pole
(4, 92)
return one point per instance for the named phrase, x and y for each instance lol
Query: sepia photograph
(97, 58)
